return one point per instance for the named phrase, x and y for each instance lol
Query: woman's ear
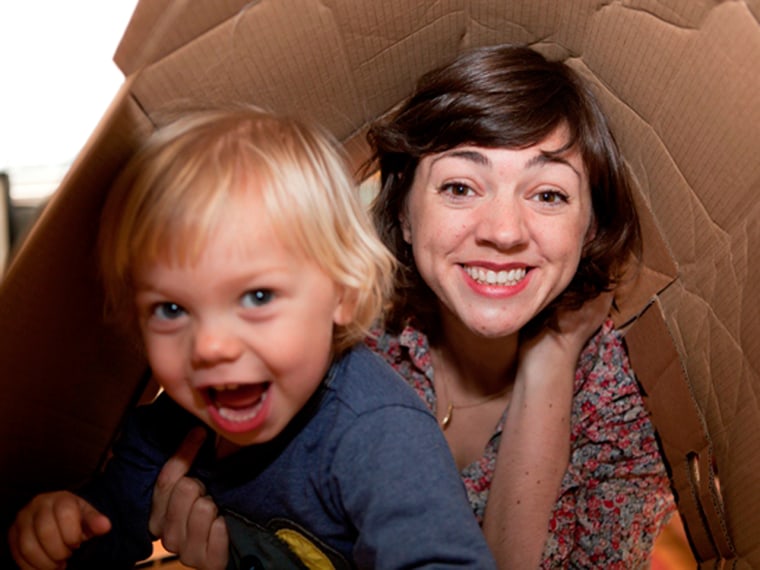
(406, 229)
(590, 232)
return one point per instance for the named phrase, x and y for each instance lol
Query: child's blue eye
(257, 297)
(168, 311)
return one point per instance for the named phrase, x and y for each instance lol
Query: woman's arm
(535, 443)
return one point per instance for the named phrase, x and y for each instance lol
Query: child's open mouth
(238, 407)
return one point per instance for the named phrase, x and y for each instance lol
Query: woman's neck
(481, 366)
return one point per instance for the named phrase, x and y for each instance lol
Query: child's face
(242, 338)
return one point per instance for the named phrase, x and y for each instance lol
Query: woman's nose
(502, 224)
(214, 343)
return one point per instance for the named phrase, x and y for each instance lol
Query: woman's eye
(167, 311)
(456, 189)
(257, 297)
(550, 197)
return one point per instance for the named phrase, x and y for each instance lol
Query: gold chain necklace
(446, 420)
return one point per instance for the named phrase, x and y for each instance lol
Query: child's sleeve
(123, 491)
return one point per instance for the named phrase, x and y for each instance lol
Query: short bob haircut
(508, 97)
(191, 174)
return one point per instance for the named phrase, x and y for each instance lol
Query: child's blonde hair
(180, 186)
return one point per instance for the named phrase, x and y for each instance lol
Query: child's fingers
(179, 464)
(60, 530)
(206, 543)
(218, 545)
(27, 551)
(48, 530)
(172, 472)
(35, 540)
(177, 520)
(68, 519)
(94, 523)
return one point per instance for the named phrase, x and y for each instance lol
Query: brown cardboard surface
(680, 81)
(63, 376)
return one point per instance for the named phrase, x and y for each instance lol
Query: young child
(234, 243)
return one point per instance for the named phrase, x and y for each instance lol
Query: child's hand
(183, 516)
(48, 530)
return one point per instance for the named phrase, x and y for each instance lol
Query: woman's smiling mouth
(505, 278)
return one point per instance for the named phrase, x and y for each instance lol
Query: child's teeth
(242, 415)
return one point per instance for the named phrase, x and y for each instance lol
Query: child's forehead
(242, 227)
(246, 207)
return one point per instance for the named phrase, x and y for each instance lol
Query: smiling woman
(506, 201)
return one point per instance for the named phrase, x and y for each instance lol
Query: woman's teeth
(490, 277)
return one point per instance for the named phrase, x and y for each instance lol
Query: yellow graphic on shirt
(311, 556)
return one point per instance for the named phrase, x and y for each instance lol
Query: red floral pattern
(615, 496)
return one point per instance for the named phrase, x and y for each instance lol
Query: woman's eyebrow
(542, 159)
(471, 155)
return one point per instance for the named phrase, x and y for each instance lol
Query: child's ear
(345, 309)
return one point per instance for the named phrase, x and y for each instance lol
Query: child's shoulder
(364, 381)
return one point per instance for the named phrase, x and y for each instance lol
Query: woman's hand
(48, 530)
(551, 348)
(183, 517)
(535, 444)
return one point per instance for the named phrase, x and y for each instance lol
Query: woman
(505, 199)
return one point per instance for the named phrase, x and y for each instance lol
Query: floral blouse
(615, 495)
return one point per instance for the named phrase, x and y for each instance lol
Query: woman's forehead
(552, 150)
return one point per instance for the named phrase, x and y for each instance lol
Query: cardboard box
(679, 80)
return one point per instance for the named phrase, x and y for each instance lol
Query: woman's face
(497, 234)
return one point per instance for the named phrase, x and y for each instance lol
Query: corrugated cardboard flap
(679, 81)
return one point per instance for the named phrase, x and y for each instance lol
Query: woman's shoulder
(606, 388)
(604, 372)
(408, 351)
(605, 354)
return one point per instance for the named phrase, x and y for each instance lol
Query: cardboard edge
(159, 27)
(682, 431)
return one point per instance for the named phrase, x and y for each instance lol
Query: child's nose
(214, 343)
